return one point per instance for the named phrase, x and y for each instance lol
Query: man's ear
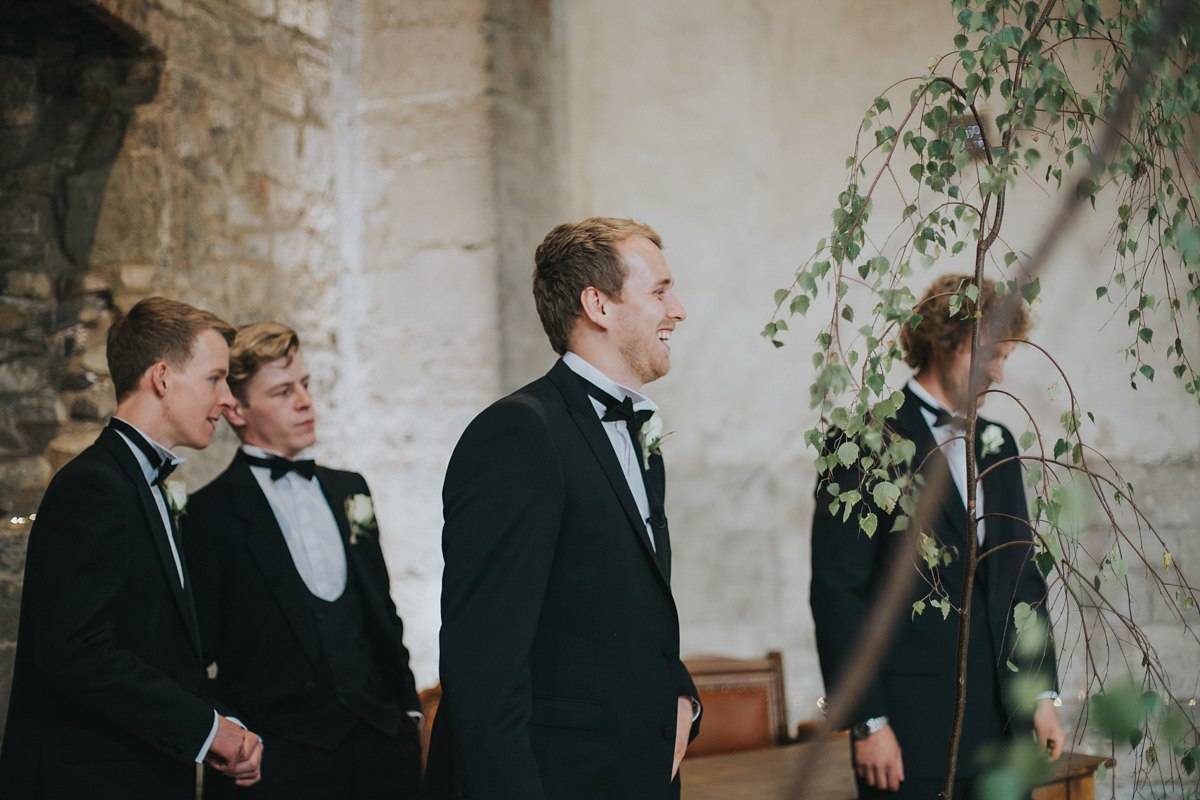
(234, 412)
(595, 306)
(156, 375)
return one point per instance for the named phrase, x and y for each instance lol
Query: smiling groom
(560, 663)
(292, 594)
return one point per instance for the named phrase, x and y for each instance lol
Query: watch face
(860, 730)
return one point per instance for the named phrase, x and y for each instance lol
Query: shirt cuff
(696, 707)
(417, 717)
(1048, 696)
(211, 735)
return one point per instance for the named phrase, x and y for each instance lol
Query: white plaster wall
(726, 126)
(418, 315)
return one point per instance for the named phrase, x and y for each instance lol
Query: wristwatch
(861, 730)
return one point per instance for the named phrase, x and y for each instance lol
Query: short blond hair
(573, 257)
(256, 344)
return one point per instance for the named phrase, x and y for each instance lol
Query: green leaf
(886, 494)
(1101, 291)
(1027, 440)
(800, 304)
(848, 453)
(1011, 666)
(781, 295)
(918, 608)
(1148, 371)
(869, 524)
(1055, 391)
(1032, 476)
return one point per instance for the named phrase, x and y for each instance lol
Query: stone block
(12, 317)
(286, 100)
(21, 375)
(316, 159)
(443, 201)
(405, 13)
(16, 254)
(69, 445)
(310, 17)
(128, 226)
(398, 63)
(10, 608)
(263, 9)
(34, 285)
(44, 409)
(19, 216)
(13, 142)
(18, 92)
(13, 540)
(25, 472)
(138, 277)
(279, 148)
(95, 359)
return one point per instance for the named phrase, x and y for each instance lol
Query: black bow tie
(619, 410)
(942, 417)
(280, 466)
(162, 468)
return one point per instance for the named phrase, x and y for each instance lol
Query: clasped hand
(236, 752)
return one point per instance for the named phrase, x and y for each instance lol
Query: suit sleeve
(503, 501)
(1030, 586)
(77, 568)
(203, 545)
(377, 566)
(843, 578)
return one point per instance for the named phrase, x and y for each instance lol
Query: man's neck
(254, 441)
(929, 382)
(607, 360)
(146, 415)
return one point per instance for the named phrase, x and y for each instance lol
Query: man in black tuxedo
(560, 664)
(105, 695)
(294, 598)
(901, 729)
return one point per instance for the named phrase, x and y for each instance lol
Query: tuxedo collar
(127, 457)
(584, 414)
(589, 373)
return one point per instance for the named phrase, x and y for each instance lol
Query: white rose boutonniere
(360, 512)
(652, 438)
(992, 437)
(175, 493)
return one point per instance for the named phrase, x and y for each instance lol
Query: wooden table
(1073, 779)
(772, 773)
(823, 768)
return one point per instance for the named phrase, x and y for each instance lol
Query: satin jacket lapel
(911, 424)
(584, 415)
(993, 497)
(656, 488)
(117, 446)
(270, 550)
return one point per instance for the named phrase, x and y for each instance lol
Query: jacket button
(669, 654)
(669, 732)
(310, 686)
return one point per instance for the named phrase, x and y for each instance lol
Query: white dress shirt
(953, 445)
(618, 432)
(308, 526)
(150, 472)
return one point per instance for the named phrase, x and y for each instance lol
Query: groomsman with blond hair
(293, 597)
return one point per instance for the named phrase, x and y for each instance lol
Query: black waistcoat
(360, 691)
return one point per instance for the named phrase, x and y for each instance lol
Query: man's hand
(877, 759)
(236, 752)
(1049, 729)
(683, 728)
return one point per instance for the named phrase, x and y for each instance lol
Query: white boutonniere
(360, 512)
(992, 437)
(652, 437)
(176, 495)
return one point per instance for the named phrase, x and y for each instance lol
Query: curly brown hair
(940, 333)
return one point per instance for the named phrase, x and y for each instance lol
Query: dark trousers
(918, 789)
(369, 765)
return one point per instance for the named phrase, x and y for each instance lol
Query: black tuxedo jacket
(108, 670)
(255, 620)
(916, 686)
(560, 639)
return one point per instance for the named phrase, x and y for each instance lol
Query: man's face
(954, 372)
(197, 394)
(647, 312)
(277, 414)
